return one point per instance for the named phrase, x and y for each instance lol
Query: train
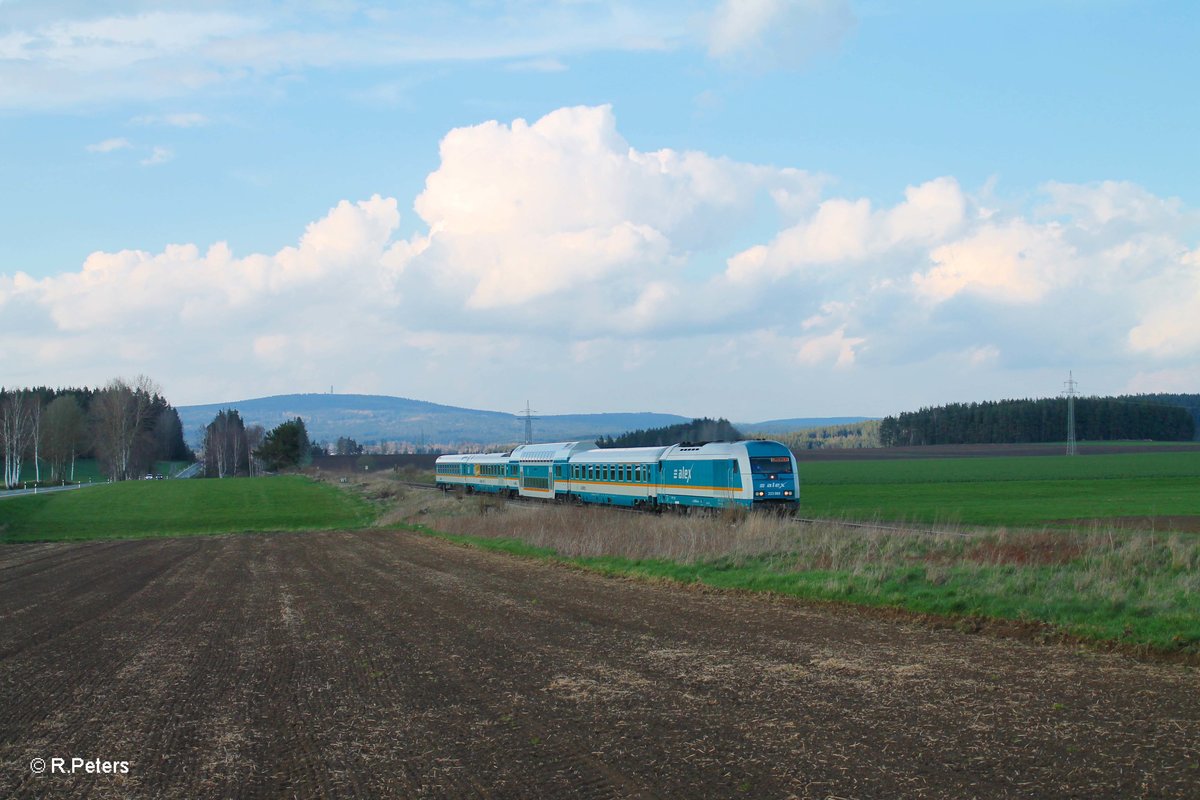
(751, 474)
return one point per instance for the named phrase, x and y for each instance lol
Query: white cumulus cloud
(545, 252)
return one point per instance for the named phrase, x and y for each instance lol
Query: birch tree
(16, 426)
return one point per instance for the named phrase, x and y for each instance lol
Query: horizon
(753, 210)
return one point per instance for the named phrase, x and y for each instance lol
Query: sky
(754, 209)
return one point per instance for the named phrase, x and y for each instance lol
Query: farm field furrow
(379, 663)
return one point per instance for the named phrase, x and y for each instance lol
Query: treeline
(1032, 421)
(232, 449)
(698, 430)
(1190, 402)
(125, 426)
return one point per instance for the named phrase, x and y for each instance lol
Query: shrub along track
(392, 664)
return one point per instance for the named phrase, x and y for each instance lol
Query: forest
(698, 430)
(1140, 417)
(126, 426)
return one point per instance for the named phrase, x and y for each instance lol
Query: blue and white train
(749, 474)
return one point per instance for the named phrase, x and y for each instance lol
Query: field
(380, 663)
(134, 509)
(405, 651)
(1023, 491)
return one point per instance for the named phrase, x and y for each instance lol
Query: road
(373, 664)
(7, 493)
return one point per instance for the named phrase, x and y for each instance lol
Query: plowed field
(380, 664)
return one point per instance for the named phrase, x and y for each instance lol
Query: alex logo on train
(683, 474)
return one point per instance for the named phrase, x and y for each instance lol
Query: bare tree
(121, 413)
(254, 439)
(35, 420)
(16, 428)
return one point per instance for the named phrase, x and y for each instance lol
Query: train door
(731, 482)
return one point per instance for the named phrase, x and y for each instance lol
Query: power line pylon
(1070, 392)
(529, 418)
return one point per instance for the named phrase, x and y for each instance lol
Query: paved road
(377, 664)
(6, 493)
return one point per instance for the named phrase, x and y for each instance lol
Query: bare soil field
(389, 664)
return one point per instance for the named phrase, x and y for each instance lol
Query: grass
(1005, 490)
(1099, 583)
(139, 509)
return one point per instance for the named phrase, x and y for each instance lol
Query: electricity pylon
(528, 423)
(1070, 392)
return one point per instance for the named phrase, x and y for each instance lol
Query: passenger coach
(749, 474)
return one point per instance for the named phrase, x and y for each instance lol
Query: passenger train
(749, 474)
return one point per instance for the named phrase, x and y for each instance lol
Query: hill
(380, 418)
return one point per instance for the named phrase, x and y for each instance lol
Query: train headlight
(787, 492)
(760, 494)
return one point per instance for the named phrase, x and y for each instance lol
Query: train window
(771, 464)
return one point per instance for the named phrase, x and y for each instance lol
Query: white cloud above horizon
(554, 251)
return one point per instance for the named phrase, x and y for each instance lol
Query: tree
(121, 414)
(255, 434)
(168, 436)
(285, 446)
(16, 432)
(64, 432)
(225, 451)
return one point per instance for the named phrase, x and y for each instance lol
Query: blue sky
(755, 209)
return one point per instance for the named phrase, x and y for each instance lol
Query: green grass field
(138, 509)
(1040, 490)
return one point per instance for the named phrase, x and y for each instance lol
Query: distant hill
(796, 424)
(378, 418)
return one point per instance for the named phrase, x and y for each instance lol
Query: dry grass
(1102, 581)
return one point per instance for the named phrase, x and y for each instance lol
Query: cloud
(1015, 261)
(159, 155)
(1170, 325)
(176, 120)
(69, 55)
(843, 230)
(525, 211)
(109, 145)
(554, 253)
(777, 33)
(55, 56)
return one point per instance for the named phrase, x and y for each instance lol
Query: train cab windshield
(774, 465)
